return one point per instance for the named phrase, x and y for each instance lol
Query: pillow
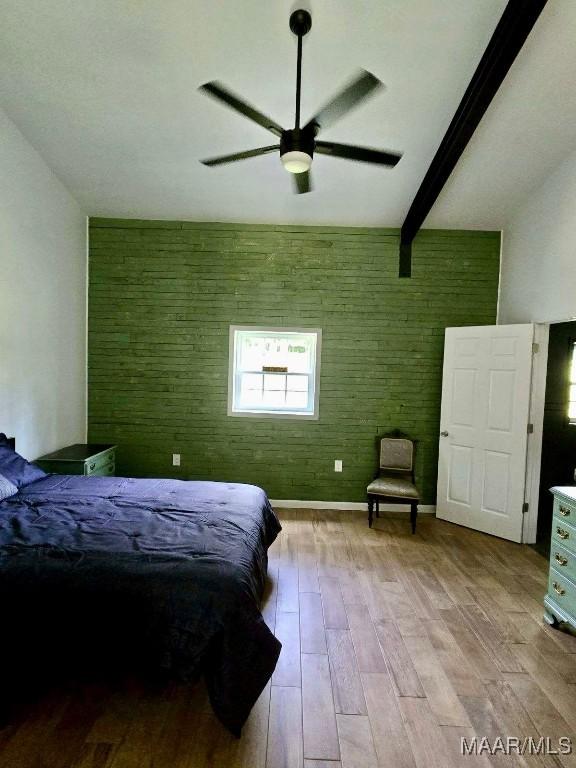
(7, 488)
(15, 468)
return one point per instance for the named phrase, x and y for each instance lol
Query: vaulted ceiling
(106, 91)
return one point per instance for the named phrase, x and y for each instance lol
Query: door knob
(444, 433)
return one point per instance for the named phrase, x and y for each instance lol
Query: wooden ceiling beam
(509, 36)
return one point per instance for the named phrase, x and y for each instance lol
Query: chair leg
(370, 511)
(413, 515)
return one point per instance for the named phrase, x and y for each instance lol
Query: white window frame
(571, 421)
(232, 376)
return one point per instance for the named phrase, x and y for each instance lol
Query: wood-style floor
(394, 647)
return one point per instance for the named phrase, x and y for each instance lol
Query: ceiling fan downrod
(300, 24)
(296, 146)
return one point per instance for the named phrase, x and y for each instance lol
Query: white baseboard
(362, 506)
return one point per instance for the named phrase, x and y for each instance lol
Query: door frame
(536, 418)
(537, 399)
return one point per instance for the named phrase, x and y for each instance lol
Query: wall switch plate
(175, 459)
(338, 465)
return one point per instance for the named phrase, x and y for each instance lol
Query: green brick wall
(163, 295)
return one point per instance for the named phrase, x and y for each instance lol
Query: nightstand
(80, 459)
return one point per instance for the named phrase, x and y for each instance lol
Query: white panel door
(483, 427)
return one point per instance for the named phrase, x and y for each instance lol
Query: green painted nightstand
(80, 459)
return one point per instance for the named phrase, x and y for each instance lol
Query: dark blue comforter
(166, 572)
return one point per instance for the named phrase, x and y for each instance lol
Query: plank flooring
(394, 648)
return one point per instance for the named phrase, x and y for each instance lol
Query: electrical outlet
(175, 459)
(338, 465)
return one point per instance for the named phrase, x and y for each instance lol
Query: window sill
(269, 415)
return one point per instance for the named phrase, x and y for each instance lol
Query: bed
(164, 574)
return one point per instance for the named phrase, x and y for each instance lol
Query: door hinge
(530, 429)
(535, 347)
(525, 507)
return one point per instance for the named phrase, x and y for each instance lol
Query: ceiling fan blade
(361, 154)
(222, 159)
(218, 91)
(302, 182)
(355, 92)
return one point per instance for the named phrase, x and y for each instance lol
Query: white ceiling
(106, 90)
(529, 128)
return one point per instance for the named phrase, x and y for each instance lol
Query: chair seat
(396, 487)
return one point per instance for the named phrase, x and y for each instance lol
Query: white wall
(42, 302)
(538, 280)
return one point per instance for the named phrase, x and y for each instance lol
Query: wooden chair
(394, 483)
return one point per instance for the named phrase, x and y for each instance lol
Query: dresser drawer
(100, 465)
(562, 591)
(564, 561)
(565, 511)
(107, 470)
(564, 534)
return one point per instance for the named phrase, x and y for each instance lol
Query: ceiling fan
(298, 145)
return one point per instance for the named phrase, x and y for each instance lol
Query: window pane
(274, 399)
(572, 410)
(250, 399)
(274, 382)
(297, 400)
(293, 351)
(298, 383)
(299, 356)
(572, 395)
(250, 390)
(251, 381)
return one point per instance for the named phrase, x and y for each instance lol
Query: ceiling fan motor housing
(298, 140)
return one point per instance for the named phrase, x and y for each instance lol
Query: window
(274, 371)
(572, 393)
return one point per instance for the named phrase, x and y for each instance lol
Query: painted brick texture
(163, 295)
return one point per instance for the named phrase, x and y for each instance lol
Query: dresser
(560, 600)
(81, 459)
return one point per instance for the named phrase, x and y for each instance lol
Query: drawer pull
(558, 589)
(564, 511)
(562, 533)
(92, 465)
(560, 558)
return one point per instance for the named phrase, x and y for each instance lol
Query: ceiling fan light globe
(296, 161)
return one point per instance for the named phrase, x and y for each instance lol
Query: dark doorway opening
(559, 434)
